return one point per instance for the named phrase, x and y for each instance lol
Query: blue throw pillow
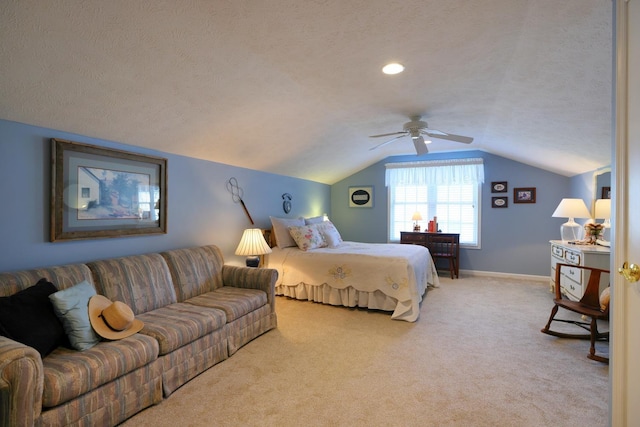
(71, 305)
(27, 317)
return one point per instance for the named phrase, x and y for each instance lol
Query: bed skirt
(347, 297)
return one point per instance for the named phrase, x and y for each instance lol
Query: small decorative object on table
(592, 233)
(416, 217)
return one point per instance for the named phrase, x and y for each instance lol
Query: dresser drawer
(557, 251)
(416, 238)
(572, 273)
(571, 289)
(572, 257)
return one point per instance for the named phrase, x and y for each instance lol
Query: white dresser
(572, 282)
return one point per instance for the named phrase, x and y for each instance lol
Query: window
(449, 190)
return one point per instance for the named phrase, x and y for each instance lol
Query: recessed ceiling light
(393, 68)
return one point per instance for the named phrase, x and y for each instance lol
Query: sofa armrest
(21, 384)
(252, 278)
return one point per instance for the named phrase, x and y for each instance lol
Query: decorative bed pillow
(605, 297)
(281, 230)
(28, 317)
(307, 237)
(72, 308)
(330, 234)
(314, 220)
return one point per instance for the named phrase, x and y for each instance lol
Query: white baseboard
(471, 273)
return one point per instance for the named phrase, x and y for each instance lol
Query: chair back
(591, 296)
(441, 246)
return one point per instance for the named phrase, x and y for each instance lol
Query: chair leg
(594, 335)
(554, 311)
(452, 267)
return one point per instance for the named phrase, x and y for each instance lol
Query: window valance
(439, 172)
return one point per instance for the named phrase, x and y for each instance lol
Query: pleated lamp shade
(252, 245)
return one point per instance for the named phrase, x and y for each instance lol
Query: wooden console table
(423, 239)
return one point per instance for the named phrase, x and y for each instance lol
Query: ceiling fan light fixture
(393, 68)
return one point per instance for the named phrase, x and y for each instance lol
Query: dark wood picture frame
(499, 187)
(99, 192)
(606, 193)
(524, 195)
(499, 202)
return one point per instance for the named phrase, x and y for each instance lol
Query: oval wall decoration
(361, 197)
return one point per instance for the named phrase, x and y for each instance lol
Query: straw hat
(112, 320)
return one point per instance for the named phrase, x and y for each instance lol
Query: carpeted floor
(475, 357)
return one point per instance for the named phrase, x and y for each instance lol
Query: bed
(380, 276)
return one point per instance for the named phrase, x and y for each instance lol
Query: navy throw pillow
(28, 317)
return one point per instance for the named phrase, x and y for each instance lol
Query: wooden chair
(444, 247)
(588, 306)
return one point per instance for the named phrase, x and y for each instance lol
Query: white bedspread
(381, 276)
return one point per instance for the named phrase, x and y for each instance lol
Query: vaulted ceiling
(295, 87)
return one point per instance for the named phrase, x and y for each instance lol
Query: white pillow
(330, 234)
(280, 228)
(308, 237)
(314, 220)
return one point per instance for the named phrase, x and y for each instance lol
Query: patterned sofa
(196, 312)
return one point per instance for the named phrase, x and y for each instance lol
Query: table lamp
(415, 218)
(571, 208)
(252, 245)
(603, 211)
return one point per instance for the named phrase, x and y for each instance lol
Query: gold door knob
(631, 272)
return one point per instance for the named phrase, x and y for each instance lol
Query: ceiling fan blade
(421, 147)
(388, 142)
(390, 134)
(448, 136)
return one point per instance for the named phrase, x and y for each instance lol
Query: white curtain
(438, 172)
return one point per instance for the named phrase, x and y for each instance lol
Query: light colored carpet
(475, 357)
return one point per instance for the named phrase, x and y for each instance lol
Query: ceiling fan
(416, 128)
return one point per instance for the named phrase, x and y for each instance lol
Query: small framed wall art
(499, 202)
(524, 195)
(499, 187)
(361, 197)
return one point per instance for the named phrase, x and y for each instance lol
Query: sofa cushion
(62, 276)
(28, 317)
(143, 282)
(235, 302)
(69, 373)
(179, 324)
(195, 270)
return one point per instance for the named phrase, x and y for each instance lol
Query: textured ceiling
(295, 88)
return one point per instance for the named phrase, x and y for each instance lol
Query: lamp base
(571, 231)
(253, 261)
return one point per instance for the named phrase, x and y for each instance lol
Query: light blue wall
(200, 209)
(514, 239)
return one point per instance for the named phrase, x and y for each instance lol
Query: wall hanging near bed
(100, 192)
(361, 197)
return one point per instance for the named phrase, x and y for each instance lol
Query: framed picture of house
(361, 197)
(524, 195)
(99, 192)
